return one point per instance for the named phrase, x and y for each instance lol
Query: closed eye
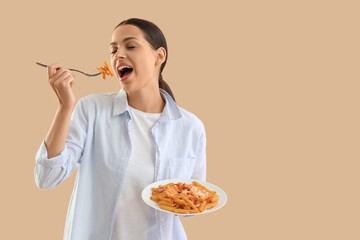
(127, 47)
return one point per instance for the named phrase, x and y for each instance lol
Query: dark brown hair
(156, 39)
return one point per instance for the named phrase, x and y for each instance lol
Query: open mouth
(124, 71)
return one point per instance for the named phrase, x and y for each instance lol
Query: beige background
(275, 82)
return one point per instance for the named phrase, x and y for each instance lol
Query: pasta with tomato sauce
(184, 198)
(105, 70)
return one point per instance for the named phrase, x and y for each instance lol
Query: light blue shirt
(98, 142)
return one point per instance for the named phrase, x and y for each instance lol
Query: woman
(121, 143)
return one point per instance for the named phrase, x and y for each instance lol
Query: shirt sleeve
(200, 165)
(50, 172)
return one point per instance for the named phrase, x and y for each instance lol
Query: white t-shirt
(135, 219)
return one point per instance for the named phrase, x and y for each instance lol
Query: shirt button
(161, 219)
(159, 149)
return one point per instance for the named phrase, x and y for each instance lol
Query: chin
(127, 88)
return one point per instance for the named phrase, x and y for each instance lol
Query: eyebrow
(125, 39)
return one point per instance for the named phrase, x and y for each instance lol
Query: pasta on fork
(105, 70)
(184, 198)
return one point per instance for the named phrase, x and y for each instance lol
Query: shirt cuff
(42, 157)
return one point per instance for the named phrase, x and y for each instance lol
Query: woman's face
(128, 46)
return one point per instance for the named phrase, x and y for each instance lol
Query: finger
(56, 91)
(72, 82)
(55, 77)
(52, 81)
(60, 71)
(68, 72)
(63, 81)
(60, 75)
(69, 80)
(59, 84)
(64, 74)
(51, 69)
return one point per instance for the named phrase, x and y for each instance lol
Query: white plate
(146, 194)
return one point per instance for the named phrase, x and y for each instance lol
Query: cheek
(145, 68)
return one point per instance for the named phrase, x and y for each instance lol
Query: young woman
(121, 143)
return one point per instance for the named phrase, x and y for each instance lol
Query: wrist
(66, 106)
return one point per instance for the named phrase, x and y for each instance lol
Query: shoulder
(191, 120)
(98, 101)
(98, 98)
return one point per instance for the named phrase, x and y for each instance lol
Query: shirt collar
(170, 111)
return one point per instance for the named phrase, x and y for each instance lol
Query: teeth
(122, 67)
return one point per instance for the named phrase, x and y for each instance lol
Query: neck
(147, 100)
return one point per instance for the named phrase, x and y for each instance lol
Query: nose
(120, 54)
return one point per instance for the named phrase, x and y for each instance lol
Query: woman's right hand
(61, 81)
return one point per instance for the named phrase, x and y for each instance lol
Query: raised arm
(60, 152)
(61, 81)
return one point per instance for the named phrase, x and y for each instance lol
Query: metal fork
(89, 75)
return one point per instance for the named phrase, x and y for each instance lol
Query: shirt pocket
(181, 167)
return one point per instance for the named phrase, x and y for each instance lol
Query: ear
(160, 55)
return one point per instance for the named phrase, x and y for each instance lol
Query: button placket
(155, 131)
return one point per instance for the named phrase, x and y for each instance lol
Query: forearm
(56, 137)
